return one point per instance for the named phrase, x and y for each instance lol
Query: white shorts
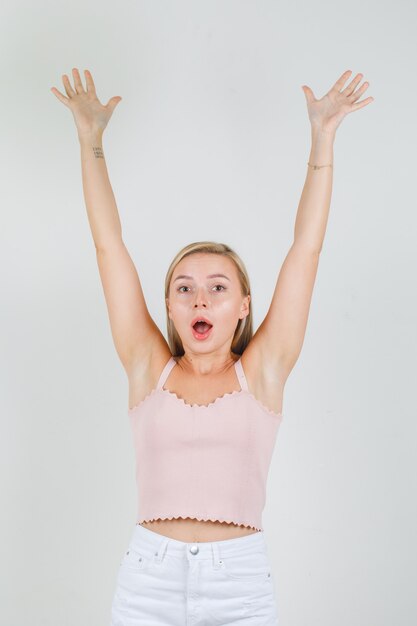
(166, 582)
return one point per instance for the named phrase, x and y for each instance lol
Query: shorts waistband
(144, 539)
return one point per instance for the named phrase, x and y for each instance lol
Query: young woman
(205, 407)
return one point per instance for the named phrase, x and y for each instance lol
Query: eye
(222, 288)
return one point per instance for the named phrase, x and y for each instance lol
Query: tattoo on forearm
(98, 152)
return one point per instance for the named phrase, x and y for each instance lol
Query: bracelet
(317, 167)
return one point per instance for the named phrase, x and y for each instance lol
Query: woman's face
(206, 285)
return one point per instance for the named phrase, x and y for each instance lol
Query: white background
(210, 141)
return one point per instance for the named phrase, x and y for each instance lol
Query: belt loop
(216, 555)
(160, 553)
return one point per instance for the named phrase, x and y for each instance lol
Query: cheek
(180, 312)
(228, 314)
(231, 308)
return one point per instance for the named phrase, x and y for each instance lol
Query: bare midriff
(197, 531)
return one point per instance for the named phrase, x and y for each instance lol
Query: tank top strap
(241, 374)
(165, 372)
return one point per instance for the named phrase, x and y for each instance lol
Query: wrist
(320, 135)
(91, 139)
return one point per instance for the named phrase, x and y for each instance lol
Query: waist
(195, 530)
(248, 544)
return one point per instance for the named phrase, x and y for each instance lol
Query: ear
(245, 306)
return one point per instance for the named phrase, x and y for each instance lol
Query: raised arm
(279, 339)
(134, 332)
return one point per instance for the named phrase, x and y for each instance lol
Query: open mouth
(201, 328)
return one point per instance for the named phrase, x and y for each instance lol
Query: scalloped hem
(200, 519)
(206, 406)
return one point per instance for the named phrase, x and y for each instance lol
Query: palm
(89, 114)
(327, 113)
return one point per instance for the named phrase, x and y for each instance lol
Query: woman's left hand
(327, 113)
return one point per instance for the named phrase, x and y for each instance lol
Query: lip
(200, 317)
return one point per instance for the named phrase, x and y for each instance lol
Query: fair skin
(219, 299)
(276, 344)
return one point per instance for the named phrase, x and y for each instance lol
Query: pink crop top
(207, 462)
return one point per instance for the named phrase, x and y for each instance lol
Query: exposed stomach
(194, 530)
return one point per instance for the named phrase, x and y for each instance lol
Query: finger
(341, 81)
(60, 96)
(308, 93)
(68, 87)
(357, 94)
(349, 89)
(91, 88)
(359, 105)
(77, 81)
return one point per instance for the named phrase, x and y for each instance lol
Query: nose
(200, 298)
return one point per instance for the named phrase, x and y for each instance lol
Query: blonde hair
(244, 330)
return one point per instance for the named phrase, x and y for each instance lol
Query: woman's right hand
(91, 117)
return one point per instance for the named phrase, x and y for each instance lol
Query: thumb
(308, 93)
(113, 102)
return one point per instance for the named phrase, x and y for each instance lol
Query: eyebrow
(209, 276)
